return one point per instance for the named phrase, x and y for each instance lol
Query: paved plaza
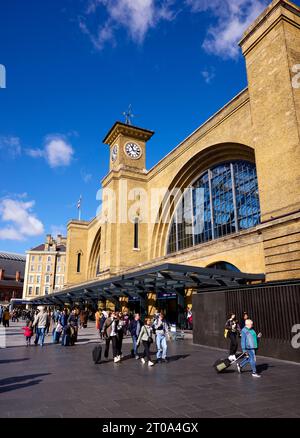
(56, 381)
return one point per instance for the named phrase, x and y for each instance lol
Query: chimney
(2, 273)
(48, 238)
(18, 276)
(58, 239)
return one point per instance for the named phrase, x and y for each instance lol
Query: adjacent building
(45, 267)
(12, 268)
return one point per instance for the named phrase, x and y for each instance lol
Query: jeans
(161, 344)
(146, 353)
(251, 359)
(41, 335)
(135, 347)
(114, 342)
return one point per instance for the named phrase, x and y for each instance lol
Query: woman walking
(145, 336)
(233, 329)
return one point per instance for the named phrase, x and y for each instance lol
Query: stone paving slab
(63, 382)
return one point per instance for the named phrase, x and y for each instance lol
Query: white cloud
(22, 222)
(208, 74)
(233, 18)
(58, 152)
(137, 17)
(86, 177)
(10, 145)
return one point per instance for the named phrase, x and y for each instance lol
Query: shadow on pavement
(22, 385)
(13, 360)
(10, 380)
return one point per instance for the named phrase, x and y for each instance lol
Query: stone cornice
(127, 130)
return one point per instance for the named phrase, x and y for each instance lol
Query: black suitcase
(222, 364)
(97, 352)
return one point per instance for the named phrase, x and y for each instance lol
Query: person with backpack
(161, 330)
(110, 335)
(232, 329)
(146, 337)
(249, 344)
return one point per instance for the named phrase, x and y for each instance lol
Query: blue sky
(72, 68)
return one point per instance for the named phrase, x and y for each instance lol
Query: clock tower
(127, 147)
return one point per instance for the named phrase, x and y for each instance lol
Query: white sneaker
(117, 359)
(231, 358)
(150, 364)
(143, 360)
(256, 375)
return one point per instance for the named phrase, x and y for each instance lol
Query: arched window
(224, 265)
(79, 257)
(221, 201)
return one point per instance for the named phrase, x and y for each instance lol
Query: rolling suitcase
(97, 352)
(222, 364)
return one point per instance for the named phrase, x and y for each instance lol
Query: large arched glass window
(221, 201)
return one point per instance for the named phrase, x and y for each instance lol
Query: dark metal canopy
(164, 278)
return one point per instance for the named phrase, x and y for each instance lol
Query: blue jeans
(41, 335)
(161, 344)
(251, 359)
(134, 341)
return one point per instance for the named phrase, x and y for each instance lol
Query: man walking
(41, 323)
(134, 329)
(249, 344)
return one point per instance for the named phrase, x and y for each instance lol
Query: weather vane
(128, 115)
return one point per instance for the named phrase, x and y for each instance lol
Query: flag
(79, 203)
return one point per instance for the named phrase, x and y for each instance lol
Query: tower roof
(129, 130)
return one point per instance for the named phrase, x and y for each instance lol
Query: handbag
(150, 340)
(225, 333)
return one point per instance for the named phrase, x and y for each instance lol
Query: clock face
(114, 153)
(133, 150)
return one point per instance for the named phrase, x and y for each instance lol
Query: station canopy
(167, 278)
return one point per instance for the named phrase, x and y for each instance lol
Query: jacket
(145, 333)
(133, 326)
(161, 327)
(248, 339)
(63, 319)
(41, 320)
(232, 326)
(108, 327)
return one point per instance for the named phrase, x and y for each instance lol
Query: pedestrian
(97, 319)
(249, 343)
(232, 329)
(245, 317)
(103, 318)
(1, 314)
(63, 321)
(126, 321)
(161, 330)
(6, 317)
(73, 325)
(189, 318)
(41, 322)
(146, 336)
(110, 335)
(28, 332)
(134, 329)
(120, 334)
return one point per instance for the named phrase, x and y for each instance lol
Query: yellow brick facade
(261, 125)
